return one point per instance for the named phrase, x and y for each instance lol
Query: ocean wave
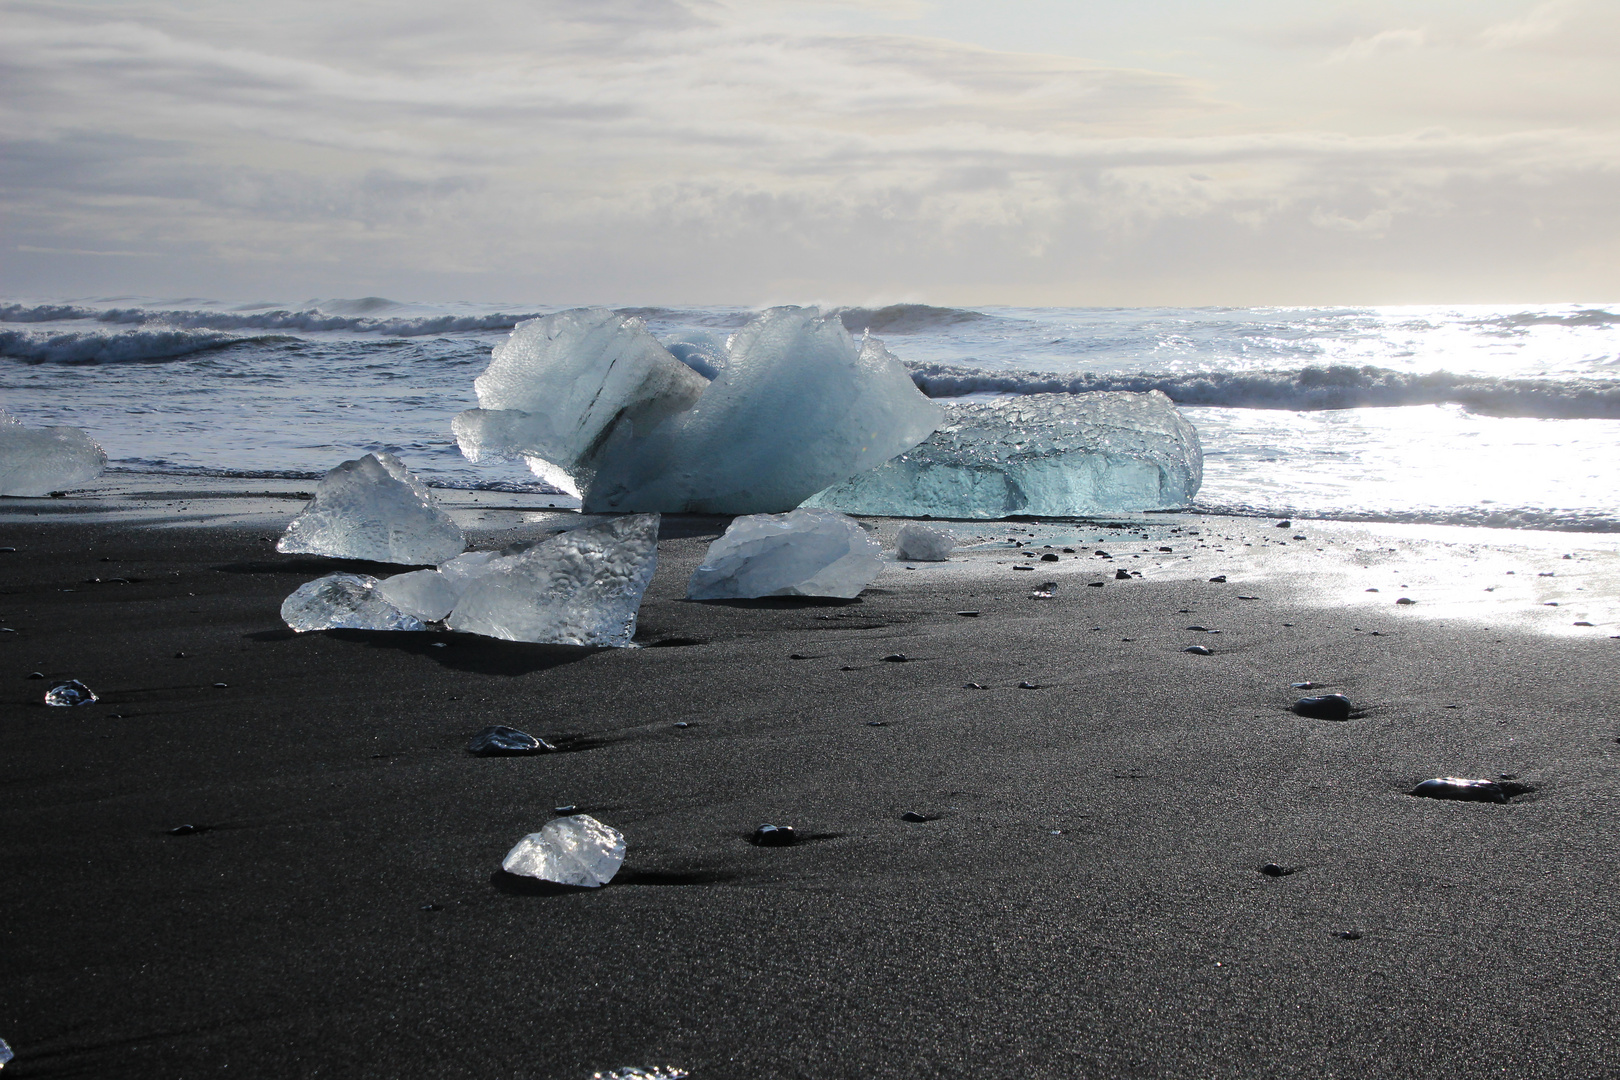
(309, 320)
(905, 318)
(127, 347)
(1585, 521)
(1308, 390)
(1586, 317)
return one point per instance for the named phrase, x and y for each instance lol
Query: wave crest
(905, 318)
(133, 346)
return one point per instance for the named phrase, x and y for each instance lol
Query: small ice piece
(426, 594)
(1461, 789)
(6, 1054)
(575, 850)
(803, 553)
(1052, 455)
(373, 508)
(924, 544)
(72, 692)
(38, 461)
(581, 587)
(343, 602)
(498, 741)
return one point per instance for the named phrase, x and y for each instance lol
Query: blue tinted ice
(343, 602)
(372, 508)
(803, 553)
(38, 461)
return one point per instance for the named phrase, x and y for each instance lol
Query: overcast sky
(1066, 152)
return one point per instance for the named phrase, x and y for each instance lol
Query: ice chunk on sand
(426, 594)
(802, 553)
(1051, 455)
(797, 405)
(72, 692)
(921, 543)
(578, 588)
(577, 850)
(373, 508)
(38, 461)
(343, 602)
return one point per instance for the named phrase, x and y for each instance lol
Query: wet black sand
(1087, 901)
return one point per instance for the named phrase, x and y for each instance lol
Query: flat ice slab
(1047, 455)
(576, 850)
(582, 587)
(922, 543)
(372, 508)
(802, 553)
(38, 461)
(343, 602)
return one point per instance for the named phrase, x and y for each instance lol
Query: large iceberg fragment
(581, 587)
(576, 850)
(797, 405)
(1049, 455)
(920, 543)
(343, 602)
(38, 461)
(373, 508)
(802, 553)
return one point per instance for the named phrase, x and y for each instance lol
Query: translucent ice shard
(426, 594)
(921, 543)
(1054, 455)
(373, 508)
(343, 602)
(6, 1054)
(577, 850)
(72, 692)
(802, 553)
(578, 588)
(502, 741)
(38, 461)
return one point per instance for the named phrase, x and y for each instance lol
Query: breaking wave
(905, 318)
(1307, 390)
(127, 347)
(1585, 317)
(309, 320)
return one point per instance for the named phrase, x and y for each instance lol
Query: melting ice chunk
(1052, 455)
(343, 602)
(802, 553)
(373, 508)
(577, 850)
(38, 461)
(923, 544)
(426, 594)
(72, 692)
(581, 587)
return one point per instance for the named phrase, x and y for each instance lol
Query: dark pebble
(1049, 557)
(1167, 549)
(188, 830)
(1406, 601)
(1372, 590)
(499, 741)
(968, 614)
(1271, 869)
(1094, 584)
(1199, 650)
(913, 816)
(1347, 935)
(1199, 629)
(1218, 579)
(1284, 524)
(7, 549)
(431, 907)
(974, 686)
(1027, 685)
(179, 656)
(1461, 790)
(1299, 536)
(1306, 685)
(797, 656)
(1326, 707)
(774, 836)
(896, 658)
(1104, 554)
(1068, 551)
(682, 724)
(877, 723)
(222, 686)
(1023, 568)
(36, 674)
(1122, 574)
(565, 810)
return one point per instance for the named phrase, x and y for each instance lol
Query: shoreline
(1085, 900)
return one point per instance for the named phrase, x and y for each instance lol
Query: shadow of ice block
(1046, 455)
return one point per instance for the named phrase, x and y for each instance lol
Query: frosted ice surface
(581, 587)
(802, 553)
(577, 850)
(597, 406)
(72, 692)
(1050, 455)
(373, 508)
(6, 1054)
(343, 602)
(38, 461)
(426, 594)
(924, 544)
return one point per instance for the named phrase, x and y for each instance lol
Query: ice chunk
(501, 741)
(426, 594)
(924, 544)
(38, 461)
(343, 602)
(72, 692)
(802, 553)
(578, 588)
(597, 406)
(577, 850)
(1051, 455)
(6, 1054)
(373, 508)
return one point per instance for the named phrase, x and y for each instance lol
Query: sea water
(1502, 415)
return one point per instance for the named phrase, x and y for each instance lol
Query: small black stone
(1326, 707)
(877, 723)
(179, 656)
(1271, 869)
(1406, 601)
(1027, 685)
(1284, 524)
(774, 836)
(36, 674)
(974, 686)
(565, 810)
(968, 614)
(189, 830)
(1218, 579)
(1199, 629)
(1306, 685)
(500, 741)
(1094, 584)
(1068, 551)
(7, 549)
(431, 907)
(798, 656)
(1458, 789)
(896, 658)
(221, 686)
(1023, 568)
(1049, 557)
(1104, 554)
(1122, 574)
(1348, 935)
(1199, 650)
(682, 724)
(913, 816)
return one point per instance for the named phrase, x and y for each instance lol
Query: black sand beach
(1086, 899)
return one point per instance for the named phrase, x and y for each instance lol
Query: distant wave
(1310, 389)
(1588, 317)
(1471, 517)
(905, 318)
(128, 347)
(308, 321)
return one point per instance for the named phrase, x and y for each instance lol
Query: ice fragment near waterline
(38, 461)
(1052, 455)
(582, 587)
(6, 1054)
(803, 553)
(343, 602)
(577, 850)
(373, 508)
(924, 544)
(425, 594)
(72, 692)
(501, 741)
